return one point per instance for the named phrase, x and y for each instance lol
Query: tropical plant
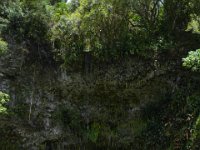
(192, 61)
(4, 98)
(3, 47)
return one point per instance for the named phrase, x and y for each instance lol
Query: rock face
(55, 110)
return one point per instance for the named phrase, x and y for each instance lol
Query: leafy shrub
(3, 47)
(192, 61)
(4, 98)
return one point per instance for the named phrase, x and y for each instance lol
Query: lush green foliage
(192, 61)
(4, 98)
(109, 30)
(3, 47)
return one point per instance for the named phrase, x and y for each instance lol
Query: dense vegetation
(56, 32)
(81, 35)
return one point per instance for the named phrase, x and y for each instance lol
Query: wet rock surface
(56, 109)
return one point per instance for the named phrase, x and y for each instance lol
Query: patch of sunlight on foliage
(3, 47)
(192, 61)
(59, 10)
(194, 25)
(4, 98)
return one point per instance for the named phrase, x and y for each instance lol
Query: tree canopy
(109, 29)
